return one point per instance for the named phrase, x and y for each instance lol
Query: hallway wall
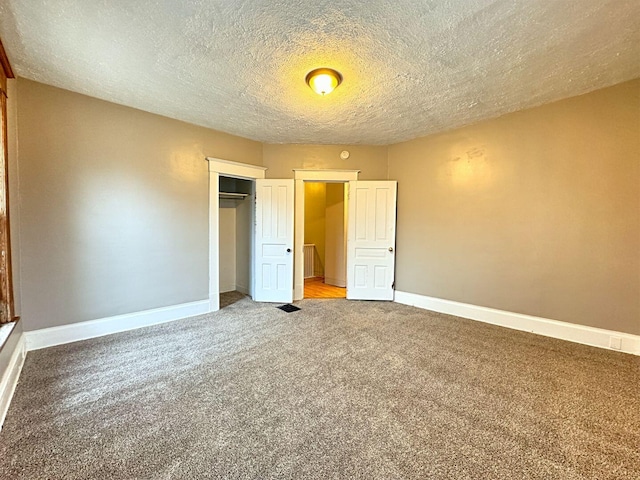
(315, 199)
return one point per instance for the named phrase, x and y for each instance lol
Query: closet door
(371, 240)
(274, 241)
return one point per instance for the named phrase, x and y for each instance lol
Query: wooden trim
(6, 275)
(5, 71)
(4, 61)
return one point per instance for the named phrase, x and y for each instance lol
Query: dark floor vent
(288, 308)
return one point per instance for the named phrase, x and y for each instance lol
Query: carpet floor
(364, 390)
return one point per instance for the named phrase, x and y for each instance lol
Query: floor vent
(288, 308)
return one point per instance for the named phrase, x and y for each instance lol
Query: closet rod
(233, 196)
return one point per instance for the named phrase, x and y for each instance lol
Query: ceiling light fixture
(323, 80)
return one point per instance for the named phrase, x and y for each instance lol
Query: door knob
(391, 249)
(288, 250)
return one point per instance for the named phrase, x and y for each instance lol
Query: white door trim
(300, 176)
(227, 168)
(328, 176)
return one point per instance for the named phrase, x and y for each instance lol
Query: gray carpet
(365, 390)
(229, 298)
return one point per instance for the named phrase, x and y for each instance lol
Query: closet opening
(325, 240)
(236, 215)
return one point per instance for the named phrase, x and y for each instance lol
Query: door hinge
(393, 285)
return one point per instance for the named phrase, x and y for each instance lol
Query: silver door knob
(391, 249)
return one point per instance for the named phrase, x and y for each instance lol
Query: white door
(371, 240)
(274, 241)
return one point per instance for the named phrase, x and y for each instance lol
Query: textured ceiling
(410, 67)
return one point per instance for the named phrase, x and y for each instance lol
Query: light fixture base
(323, 80)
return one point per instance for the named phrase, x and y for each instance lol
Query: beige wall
(315, 200)
(282, 159)
(537, 212)
(227, 236)
(244, 232)
(335, 265)
(114, 206)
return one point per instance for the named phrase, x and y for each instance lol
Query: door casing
(300, 176)
(227, 168)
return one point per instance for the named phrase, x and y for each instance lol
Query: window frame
(7, 307)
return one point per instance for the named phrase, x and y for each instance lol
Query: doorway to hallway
(317, 288)
(325, 240)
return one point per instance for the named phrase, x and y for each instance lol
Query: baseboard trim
(595, 337)
(336, 282)
(9, 380)
(49, 337)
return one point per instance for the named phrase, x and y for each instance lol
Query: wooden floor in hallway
(316, 288)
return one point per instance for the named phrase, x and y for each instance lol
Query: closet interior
(236, 202)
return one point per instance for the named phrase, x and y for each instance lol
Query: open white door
(274, 241)
(371, 240)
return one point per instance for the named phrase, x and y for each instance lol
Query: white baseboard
(596, 337)
(235, 288)
(242, 289)
(336, 282)
(49, 337)
(9, 380)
